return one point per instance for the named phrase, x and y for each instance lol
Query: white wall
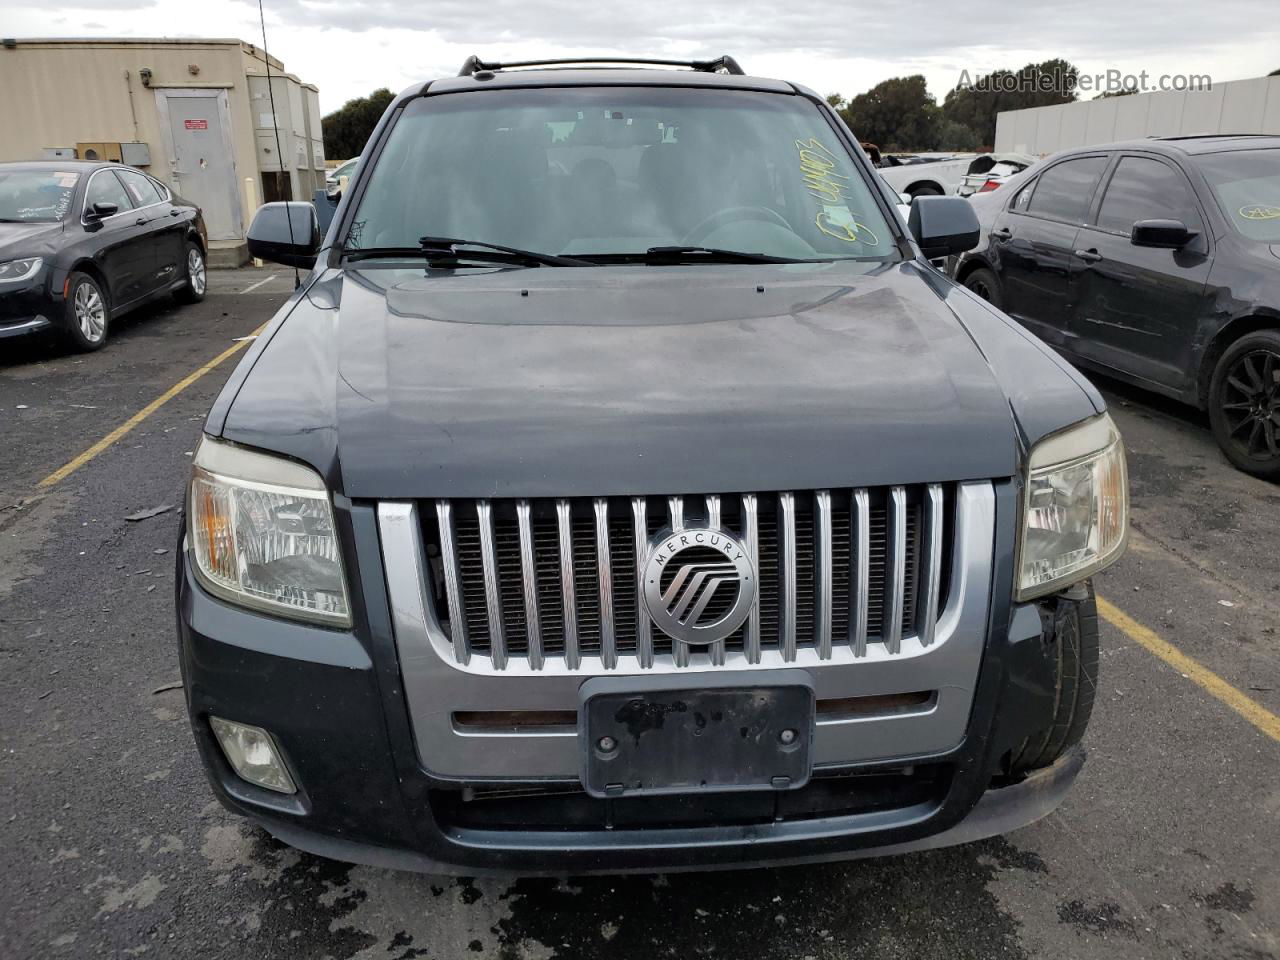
(1241, 106)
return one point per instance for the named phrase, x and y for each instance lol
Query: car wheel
(1244, 403)
(88, 313)
(925, 190)
(985, 284)
(197, 277)
(1075, 650)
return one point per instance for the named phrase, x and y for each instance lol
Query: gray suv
(623, 489)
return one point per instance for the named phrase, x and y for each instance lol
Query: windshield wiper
(689, 254)
(449, 245)
(443, 251)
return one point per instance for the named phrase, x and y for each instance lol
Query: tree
(896, 114)
(348, 128)
(975, 103)
(957, 136)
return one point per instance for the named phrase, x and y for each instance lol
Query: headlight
(15, 271)
(1077, 507)
(261, 530)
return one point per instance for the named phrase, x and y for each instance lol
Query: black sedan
(1157, 262)
(81, 243)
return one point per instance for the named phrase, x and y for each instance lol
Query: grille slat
(568, 593)
(895, 569)
(535, 580)
(492, 584)
(823, 601)
(529, 584)
(604, 568)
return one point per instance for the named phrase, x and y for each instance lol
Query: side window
(105, 188)
(1023, 198)
(1146, 189)
(1065, 190)
(142, 190)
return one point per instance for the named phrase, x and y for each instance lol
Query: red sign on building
(197, 124)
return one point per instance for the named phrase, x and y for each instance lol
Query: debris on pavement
(148, 514)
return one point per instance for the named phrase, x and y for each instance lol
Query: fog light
(253, 755)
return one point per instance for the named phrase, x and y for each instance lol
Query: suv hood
(625, 380)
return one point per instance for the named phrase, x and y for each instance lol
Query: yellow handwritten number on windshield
(817, 169)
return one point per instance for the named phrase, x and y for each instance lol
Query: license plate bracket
(696, 733)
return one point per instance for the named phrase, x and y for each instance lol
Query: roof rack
(724, 64)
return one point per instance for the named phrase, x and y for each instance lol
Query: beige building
(196, 114)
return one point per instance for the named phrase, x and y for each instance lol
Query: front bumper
(999, 811)
(336, 704)
(27, 310)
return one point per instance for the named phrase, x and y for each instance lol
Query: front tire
(1075, 653)
(88, 313)
(197, 276)
(985, 284)
(1244, 403)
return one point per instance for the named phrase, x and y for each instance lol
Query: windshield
(1247, 185)
(36, 196)
(593, 170)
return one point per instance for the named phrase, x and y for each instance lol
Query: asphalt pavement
(111, 844)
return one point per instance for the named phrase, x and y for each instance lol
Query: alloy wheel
(195, 271)
(91, 312)
(1251, 404)
(980, 288)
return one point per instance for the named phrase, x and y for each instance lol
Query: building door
(196, 124)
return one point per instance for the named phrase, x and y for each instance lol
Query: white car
(993, 172)
(333, 179)
(946, 176)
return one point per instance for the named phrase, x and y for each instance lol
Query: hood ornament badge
(699, 584)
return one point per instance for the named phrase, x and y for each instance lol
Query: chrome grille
(545, 579)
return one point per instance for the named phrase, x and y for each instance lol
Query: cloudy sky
(349, 47)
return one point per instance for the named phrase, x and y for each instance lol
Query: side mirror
(102, 210)
(943, 226)
(287, 233)
(1167, 234)
(905, 199)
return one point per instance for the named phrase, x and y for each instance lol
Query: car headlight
(262, 533)
(15, 271)
(1077, 507)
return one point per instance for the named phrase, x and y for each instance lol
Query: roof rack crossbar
(724, 64)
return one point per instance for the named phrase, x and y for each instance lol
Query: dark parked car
(623, 489)
(81, 243)
(1157, 262)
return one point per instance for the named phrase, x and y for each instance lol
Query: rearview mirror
(943, 226)
(287, 233)
(1169, 234)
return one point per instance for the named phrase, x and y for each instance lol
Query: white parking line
(255, 286)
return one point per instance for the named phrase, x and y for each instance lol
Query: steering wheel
(711, 224)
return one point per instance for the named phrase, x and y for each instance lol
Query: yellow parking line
(1241, 703)
(73, 465)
